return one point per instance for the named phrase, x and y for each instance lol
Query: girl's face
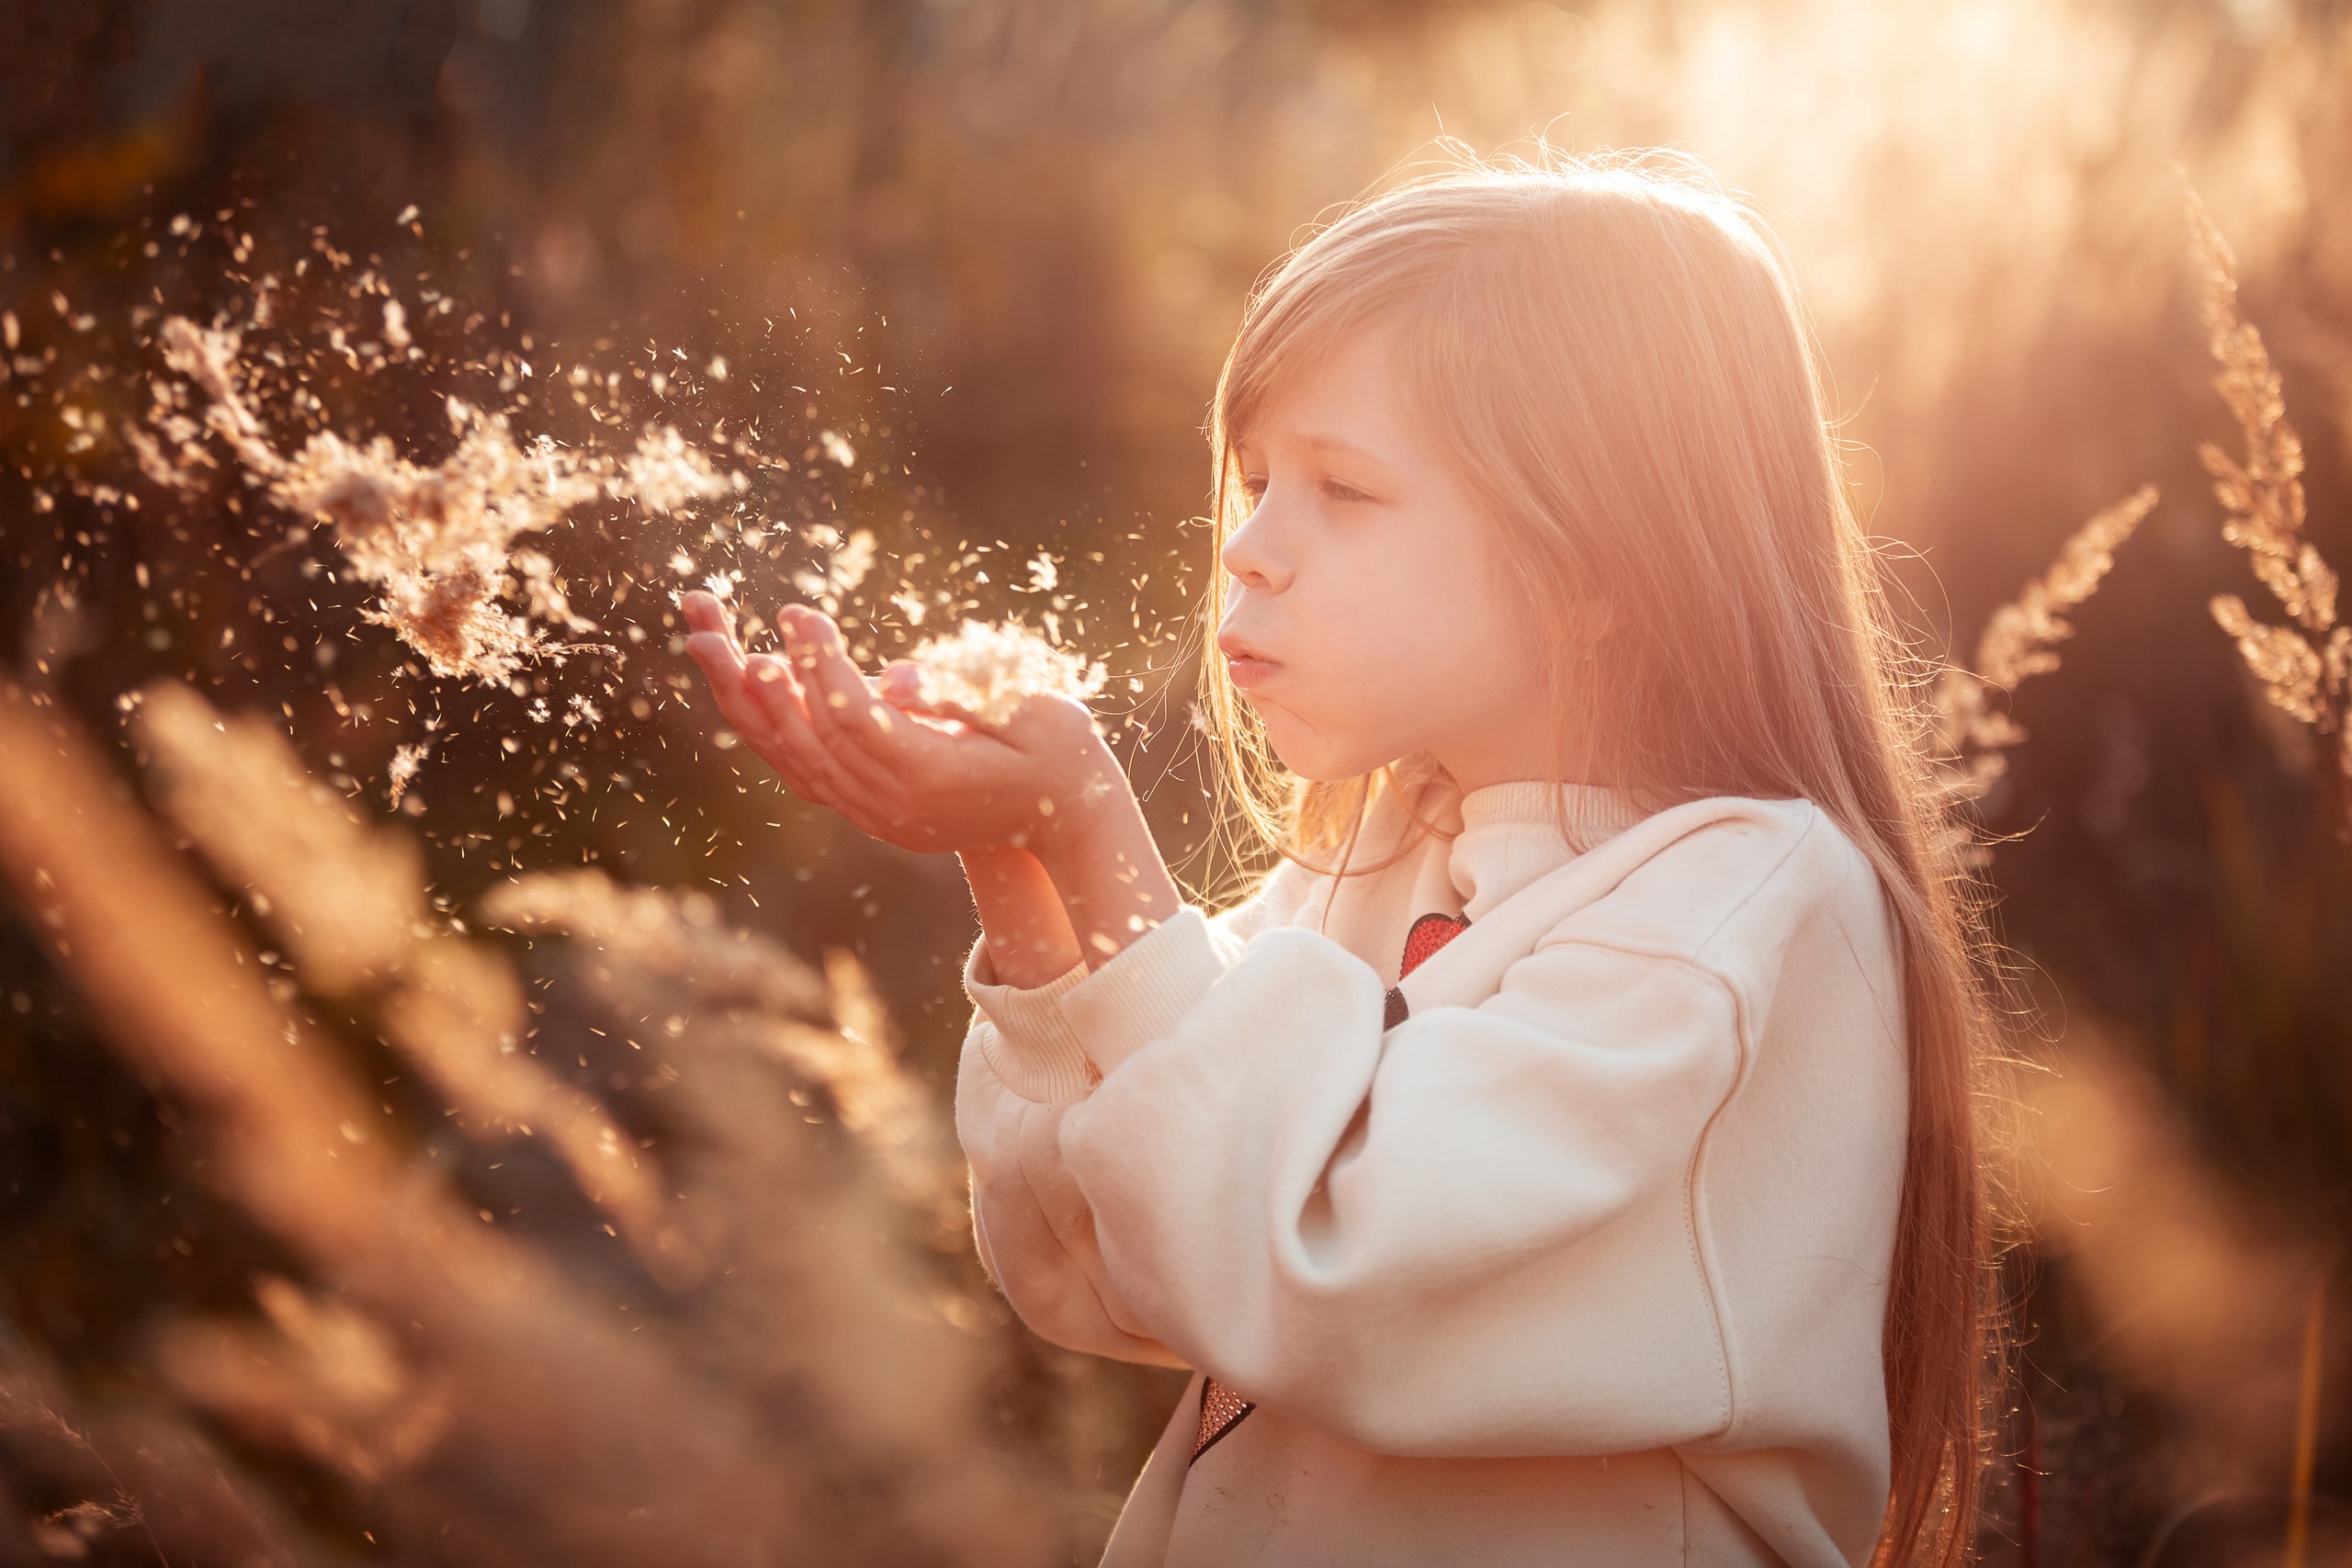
(1368, 617)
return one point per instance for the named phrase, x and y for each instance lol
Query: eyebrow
(1319, 442)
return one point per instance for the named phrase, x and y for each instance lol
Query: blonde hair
(1614, 351)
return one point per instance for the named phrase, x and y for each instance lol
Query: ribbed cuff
(1146, 988)
(1034, 1050)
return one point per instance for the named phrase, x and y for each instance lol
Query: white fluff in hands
(988, 671)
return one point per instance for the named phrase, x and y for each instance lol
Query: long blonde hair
(1613, 350)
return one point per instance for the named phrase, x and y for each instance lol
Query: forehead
(1350, 393)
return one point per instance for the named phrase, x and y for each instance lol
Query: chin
(1311, 770)
(1313, 756)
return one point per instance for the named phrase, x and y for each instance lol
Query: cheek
(1376, 669)
(1395, 645)
(1422, 627)
(1373, 603)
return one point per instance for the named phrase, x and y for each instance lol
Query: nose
(1251, 553)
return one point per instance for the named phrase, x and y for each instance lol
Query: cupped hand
(928, 778)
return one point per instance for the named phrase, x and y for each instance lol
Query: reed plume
(1972, 738)
(2304, 666)
(776, 1359)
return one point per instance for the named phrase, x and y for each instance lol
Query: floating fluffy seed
(209, 358)
(401, 770)
(989, 670)
(543, 589)
(846, 564)
(395, 326)
(849, 565)
(454, 620)
(158, 468)
(436, 540)
(665, 473)
(392, 516)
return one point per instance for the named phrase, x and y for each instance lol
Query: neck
(1475, 768)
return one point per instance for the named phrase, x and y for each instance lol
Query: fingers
(712, 638)
(721, 660)
(902, 684)
(706, 613)
(758, 699)
(722, 666)
(813, 716)
(803, 759)
(743, 714)
(868, 738)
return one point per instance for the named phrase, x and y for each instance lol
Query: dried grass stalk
(718, 1010)
(319, 1378)
(1971, 736)
(153, 1486)
(2021, 637)
(496, 1406)
(351, 909)
(2190, 1289)
(678, 935)
(343, 896)
(2304, 667)
(765, 994)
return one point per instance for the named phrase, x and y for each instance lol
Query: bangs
(1348, 276)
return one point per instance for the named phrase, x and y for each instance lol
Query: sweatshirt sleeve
(1471, 1235)
(1021, 1072)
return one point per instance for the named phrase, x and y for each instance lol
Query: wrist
(1022, 924)
(1112, 884)
(1073, 820)
(995, 862)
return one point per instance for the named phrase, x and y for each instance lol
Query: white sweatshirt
(1584, 1262)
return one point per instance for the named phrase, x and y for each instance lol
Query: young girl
(1567, 1155)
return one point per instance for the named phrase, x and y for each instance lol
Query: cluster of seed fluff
(437, 541)
(989, 669)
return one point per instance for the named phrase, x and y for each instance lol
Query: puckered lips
(1247, 666)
